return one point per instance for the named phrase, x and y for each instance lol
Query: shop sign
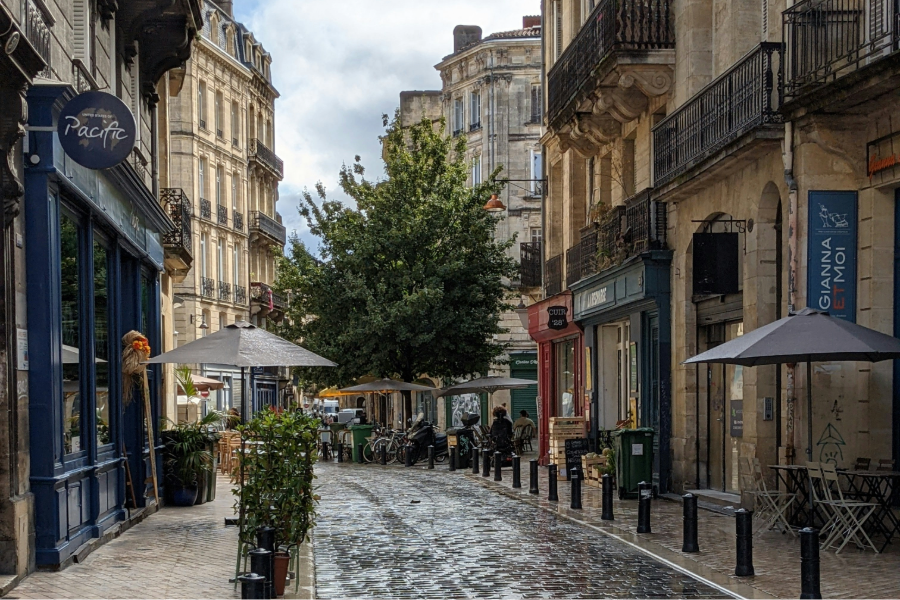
(882, 154)
(529, 361)
(832, 253)
(557, 317)
(96, 130)
(737, 418)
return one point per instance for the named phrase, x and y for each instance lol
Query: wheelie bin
(360, 433)
(634, 459)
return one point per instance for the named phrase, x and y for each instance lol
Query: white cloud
(340, 64)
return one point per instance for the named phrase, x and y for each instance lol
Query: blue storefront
(93, 257)
(626, 316)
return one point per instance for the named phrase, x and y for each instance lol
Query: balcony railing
(265, 156)
(222, 215)
(530, 264)
(178, 207)
(612, 26)
(240, 295)
(553, 275)
(37, 32)
(588, 243)
(573, 264)
(205, 209)
(238, 220)
(743, 98)
(207, 287)
(82, 78)
(225, 291)
(266, 225)
(826, 39)
(267, 297)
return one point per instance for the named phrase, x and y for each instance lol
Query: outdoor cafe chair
(775, 503)
(820, 498)
(851, 515)
(862, 464)
(885, 464)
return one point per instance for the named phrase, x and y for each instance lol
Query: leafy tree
(410, 280)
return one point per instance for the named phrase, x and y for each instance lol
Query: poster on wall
(832, 246)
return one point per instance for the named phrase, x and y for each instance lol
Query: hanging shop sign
(557, 317)
(832, 253)
(96, 130)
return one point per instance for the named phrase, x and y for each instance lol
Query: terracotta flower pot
(281, 570)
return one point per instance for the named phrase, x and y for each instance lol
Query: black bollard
(606, 513)
(265, 538)
(339, 450)
(262, 563)
(517, 474)
(645, 495)
(809, 563)
(384, 454)
(475, 461)
(743, 525)
(576, 489)
(689, 511)
(359, 453)
(533, 476)
(498, 462)
(485, 463)
(408, 456)
(253, 586)
(452, 459)
(431, 458)
(325, 455)
(552, 496)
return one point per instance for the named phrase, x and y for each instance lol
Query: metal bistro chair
(522, 439)
(770, 506)
(852, 515)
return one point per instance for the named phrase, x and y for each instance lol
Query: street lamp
(202, 324)
(522, 312)
(494, 205)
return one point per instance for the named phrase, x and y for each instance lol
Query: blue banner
(831, 271)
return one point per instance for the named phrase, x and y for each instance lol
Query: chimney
(226, 5)
(531, 21)
(463, 35)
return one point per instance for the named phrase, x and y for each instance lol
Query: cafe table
(882, 488)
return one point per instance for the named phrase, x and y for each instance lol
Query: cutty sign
(557, 317)
(96, 130)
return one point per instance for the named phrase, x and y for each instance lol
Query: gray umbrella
(806, 336)
(387, 385)
(486, 385)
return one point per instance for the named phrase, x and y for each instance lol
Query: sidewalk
(776, 556)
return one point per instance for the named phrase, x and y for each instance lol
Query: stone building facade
(491, 93)
(734, 151)
(221, 163)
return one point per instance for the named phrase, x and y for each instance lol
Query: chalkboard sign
(575, 449)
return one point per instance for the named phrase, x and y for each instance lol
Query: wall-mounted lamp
(494, 205)
(202, 324)
(522, 312)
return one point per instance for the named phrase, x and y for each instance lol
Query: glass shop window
(565, 378)
(102, 342)
(73, 420)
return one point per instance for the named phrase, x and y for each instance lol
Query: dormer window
(214, 29)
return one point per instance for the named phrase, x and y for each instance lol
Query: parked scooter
(421, 435)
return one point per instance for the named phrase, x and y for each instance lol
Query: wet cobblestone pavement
(412, 533)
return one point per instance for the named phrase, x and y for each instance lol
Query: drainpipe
(788, 158)
(154, 148)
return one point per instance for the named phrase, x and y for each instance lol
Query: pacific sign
(832, 253)
(96, 130)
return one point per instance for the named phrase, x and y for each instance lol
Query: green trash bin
(634, 459)
(360, 433)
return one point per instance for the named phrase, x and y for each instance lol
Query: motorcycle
(421, 435)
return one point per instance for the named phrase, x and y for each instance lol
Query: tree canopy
(410, 279)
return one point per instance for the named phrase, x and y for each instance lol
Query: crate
(566, 421)
(587, 466)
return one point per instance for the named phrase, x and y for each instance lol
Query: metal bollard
(325, 455)
(475, 461)
(486, 463)
(689, 512)
(452, 459)
(253, 586)
(606, 513)
(743, 525)
(262, 562)
(384, 454)
(552, 496)
(498, 462)
(359, 453)
(809, 563)
(431, 458)
(517, 471)
(533, 476)
(265, 538)
(645, 495)
(408, 456)
(339, 450)
(576, 489)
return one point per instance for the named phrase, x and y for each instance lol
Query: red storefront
(560, 363)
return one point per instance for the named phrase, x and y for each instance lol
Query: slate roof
(514, 34)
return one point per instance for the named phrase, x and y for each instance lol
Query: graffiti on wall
(466, 403)
(831, 445)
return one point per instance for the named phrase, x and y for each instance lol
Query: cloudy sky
(340, 64)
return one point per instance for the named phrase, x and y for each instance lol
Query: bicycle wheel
(368, 452)
(400, 455)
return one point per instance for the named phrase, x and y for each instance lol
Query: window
(458, 117)
(219, 115)
(204, 247)
(537, 103)
(236, 264)
(205, 320)
(557, 30)
(223, 320)
(220, 180)
(214, 30)
(220, 260)
(201, 181)
(476, 111)
(235, 124)
(102, 343)
(565, 378)
(476, 170)
(537, 173)
(536, 234)
(234, 191)
(72, 358)
(201, 104)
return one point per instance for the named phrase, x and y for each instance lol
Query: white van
(327, 407)
(350, 416)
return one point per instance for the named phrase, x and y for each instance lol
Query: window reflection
(101, 342)
(71, 313)
(565, 379)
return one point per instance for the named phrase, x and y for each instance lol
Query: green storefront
(523, 365)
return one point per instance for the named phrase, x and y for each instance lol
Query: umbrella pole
(809, 424)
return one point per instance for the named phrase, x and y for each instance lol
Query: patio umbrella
(487, 385)
(205, 383)
(386, 385)
(807, 336)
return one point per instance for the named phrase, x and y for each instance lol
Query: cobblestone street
(409, 533)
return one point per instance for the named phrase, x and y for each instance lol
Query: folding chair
(885, 464)
(851, 515)
(772, 505)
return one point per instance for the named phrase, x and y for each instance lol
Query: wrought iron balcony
(238, 220)
(178, 242)
(240, 295)
(267, 226)
(82, 79)
(222, 215)
(266, 157)
(613, 26)
(207, 287)
(205, 209)
(573, 264)
(745, 97)
(37, 32)
(530, 264)
(475, 126)
(267, 298)
(827, 39)
(225, 291)
(553, 275)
